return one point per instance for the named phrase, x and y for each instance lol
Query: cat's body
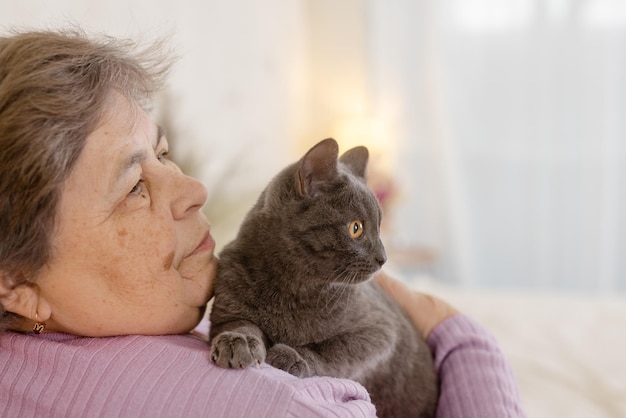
(293, 288)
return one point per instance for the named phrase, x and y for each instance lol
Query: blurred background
(496, 128)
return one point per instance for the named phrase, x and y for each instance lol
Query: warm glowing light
(374, 134)
(370, 132)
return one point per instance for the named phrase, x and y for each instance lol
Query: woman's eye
(137, 188)
(163, 156)
(355, 228)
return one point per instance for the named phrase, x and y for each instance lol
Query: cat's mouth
(356, 277)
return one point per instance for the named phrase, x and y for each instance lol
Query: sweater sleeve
(476, 378)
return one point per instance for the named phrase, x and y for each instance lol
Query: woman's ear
(23, 299)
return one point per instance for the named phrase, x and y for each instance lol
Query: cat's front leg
(238, 347)
(288, 359)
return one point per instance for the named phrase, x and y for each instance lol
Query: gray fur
(294, 290)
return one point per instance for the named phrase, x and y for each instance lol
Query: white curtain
(510, 121)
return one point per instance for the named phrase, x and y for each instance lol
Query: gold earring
(39, 326)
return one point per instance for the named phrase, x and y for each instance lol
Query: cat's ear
(356, 160)
(318, 166)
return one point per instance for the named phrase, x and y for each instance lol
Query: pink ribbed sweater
(58, 375)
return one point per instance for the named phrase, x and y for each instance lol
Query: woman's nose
(190, 196)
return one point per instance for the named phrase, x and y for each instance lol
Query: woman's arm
(476, 378)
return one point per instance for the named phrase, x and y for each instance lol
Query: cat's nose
(381, 257)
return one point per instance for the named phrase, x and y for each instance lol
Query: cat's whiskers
(340, 285)
(323, 295)
(327, 295)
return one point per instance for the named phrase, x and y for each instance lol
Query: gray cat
(294, 290)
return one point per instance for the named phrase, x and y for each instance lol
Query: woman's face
(132, 253)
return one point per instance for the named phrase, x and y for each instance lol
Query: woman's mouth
(207, 244)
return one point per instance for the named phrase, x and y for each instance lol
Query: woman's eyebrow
(124, 168)
(135, 158)
(138, 157)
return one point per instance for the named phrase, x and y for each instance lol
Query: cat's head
(330, 219)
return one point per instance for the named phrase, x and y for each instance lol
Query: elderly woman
(107, 263)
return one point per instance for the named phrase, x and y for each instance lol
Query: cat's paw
(286, 358)
(233, 350)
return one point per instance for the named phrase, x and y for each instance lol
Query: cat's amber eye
(356, 229)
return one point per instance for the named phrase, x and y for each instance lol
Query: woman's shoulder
(58, 374)
(106, 353)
